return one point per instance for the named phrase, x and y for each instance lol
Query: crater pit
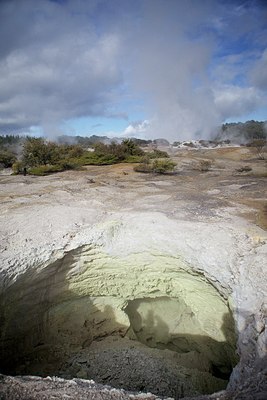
(143, 322)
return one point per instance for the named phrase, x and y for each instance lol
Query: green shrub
(133, 159)
(131, 148)
(41, 157)
(7, 158)
(37, 152)
(116, 152)
(95, 159)
(44, 169)
(17, 167)
(157, 154)
(70, 163)
(163, 166)
(145, 168)
(157, 166)
(73, 151)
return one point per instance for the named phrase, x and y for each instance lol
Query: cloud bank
(56, 67)
(188, 65)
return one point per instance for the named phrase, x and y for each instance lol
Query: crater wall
(96, 280)
(88, 299)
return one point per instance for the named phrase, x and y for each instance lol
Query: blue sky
(145, 68)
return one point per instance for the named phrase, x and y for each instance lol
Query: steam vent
(141, 283)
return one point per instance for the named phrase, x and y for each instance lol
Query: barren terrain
(105, 237)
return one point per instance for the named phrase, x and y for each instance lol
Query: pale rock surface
(120, 241)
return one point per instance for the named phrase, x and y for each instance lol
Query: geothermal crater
(147, 283)
(91, 316)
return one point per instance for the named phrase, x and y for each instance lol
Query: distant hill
(84, 141)
(90, 141)
(242, 132)
(236, 132)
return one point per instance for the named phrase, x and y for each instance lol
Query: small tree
(101, 149)
(36, 152)
(131, 148)
(258, 146)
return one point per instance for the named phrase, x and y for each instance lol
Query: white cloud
(234, 101)
(259, 72)
(191, 69)
(68, 73)
(137, 129)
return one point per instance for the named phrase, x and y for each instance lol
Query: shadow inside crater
(47, 329)
(153, 330)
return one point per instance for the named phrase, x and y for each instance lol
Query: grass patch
(44, 170)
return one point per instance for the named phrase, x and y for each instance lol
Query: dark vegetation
(159, 166)
(258, 145)
(7, 158)
(91, 141)
(9, 145)
(243, 132)
(40, 156)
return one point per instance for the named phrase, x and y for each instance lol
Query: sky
(174, 69)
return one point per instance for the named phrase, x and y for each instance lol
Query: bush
(163, 166)
(41, 170)
(157, 166)
(114, 153)
(41, 157)
(133, 159)
(7, 158)
(145, 168)
(70, 163)
(37, 152)
(45, 169)
(90, 158)
(18, 167)
(131, 148)
(258, 145)
(158, 154)
(73, 151)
